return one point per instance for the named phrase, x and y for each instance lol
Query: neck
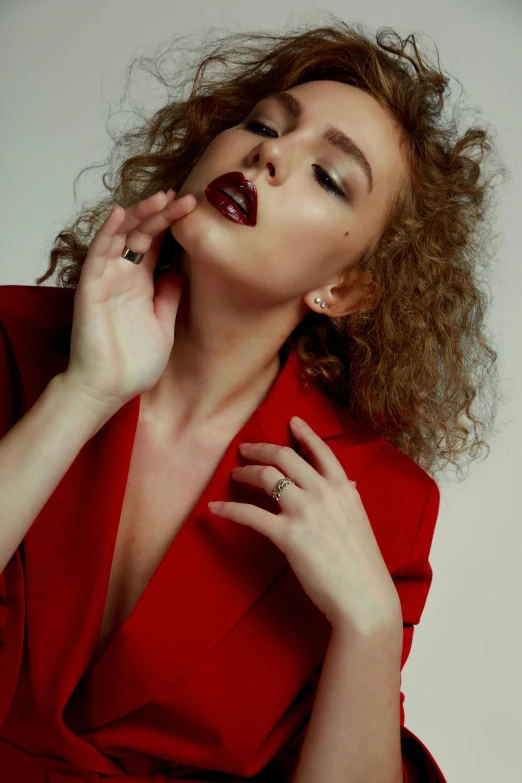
(223, 363)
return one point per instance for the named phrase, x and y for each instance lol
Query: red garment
(213, 675)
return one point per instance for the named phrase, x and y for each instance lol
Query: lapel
(213, 573)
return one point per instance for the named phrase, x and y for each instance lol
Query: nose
(267, 155)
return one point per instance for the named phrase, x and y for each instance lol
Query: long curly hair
(415, 362)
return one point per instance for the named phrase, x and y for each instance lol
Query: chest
(163, 486)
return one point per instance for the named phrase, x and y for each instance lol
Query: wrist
(77, 401)
(387, 624)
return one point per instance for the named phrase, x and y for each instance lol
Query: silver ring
(131, 255)
(280, 485)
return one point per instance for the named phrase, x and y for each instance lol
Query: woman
(316, 257)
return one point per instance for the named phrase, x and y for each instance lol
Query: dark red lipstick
(226, 204)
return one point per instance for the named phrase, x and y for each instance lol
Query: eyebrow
(332, 135)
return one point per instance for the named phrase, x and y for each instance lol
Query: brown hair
(412, 362)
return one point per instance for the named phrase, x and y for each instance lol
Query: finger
(287, 460)
(138, 212)
(262, 476)
(141, 237)
(158, 238)
(264, 522)
(106, 242)
(266, 477)
(325, 461)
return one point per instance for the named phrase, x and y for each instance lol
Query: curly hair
(414, 361)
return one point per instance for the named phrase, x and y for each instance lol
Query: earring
(320, 301)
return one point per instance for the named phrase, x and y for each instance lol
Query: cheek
(299, 242)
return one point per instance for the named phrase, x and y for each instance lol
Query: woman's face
(306, 230)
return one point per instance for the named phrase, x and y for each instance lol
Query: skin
(245, 289)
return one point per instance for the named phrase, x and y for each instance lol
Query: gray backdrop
(62, 67)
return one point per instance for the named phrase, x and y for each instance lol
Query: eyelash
(333, 188)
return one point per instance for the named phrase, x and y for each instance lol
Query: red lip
(234, 179)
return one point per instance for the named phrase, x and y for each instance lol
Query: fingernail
(297, 420)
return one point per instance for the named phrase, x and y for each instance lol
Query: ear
(352, 294)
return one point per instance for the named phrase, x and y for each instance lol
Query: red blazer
(213, 675)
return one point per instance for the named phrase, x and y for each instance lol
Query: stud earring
(320, 301)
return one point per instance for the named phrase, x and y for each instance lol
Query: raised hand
(123, 322)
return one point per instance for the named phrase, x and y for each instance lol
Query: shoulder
(399, 496)
(394, 467)
(39, 307)
(35, 336)
(32, 317)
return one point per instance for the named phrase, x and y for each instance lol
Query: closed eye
(325, 181)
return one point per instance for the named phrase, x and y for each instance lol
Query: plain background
(62, 67)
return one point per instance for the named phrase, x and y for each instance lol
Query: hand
(123, 322)
(322, 529)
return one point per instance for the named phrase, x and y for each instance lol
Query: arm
(354, 731)
(36, 453)
(36, 450)
(412, 582)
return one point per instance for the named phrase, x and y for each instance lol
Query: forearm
(354, 731)
(36, 453)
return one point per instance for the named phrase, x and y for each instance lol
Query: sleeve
(12, 604)
(412, 582)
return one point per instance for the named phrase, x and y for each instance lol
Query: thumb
(167, 295)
